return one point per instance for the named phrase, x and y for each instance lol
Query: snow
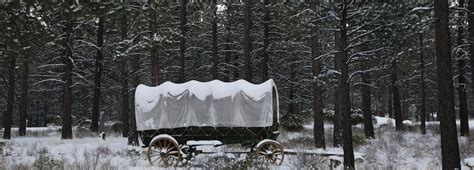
(408, 122)
(458, 123)
(214, 103)
(407, 150)
(164, 136)
(204, 142)
(72, 153)
(469, 162)
(421, 8)
(147, 97)
(328, 151)
(262, 142)
(383, 121)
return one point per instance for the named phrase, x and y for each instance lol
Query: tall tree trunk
(125, 110)
(318, 130)
(449, 141)
(227, 53)
(463, 113)
(155, 67)
(133, 137)
(7, 116)
(182, 44)
(396, 99)
(471, 40)
(97, 77)
(380, 103)
(227, 61)
(24, 94)
(248, 41)
(390, 102)
(345, 91)
(423, 92)
(366, 102)
(66, 130)
(266, 41)
(215, 54)
(338, 116)
(291, 95)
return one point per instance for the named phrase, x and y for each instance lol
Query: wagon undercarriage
(164, 151)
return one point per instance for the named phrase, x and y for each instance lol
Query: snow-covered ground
(389, 150)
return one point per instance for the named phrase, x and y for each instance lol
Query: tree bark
(396, 99)
(66, 130)
(345, 91)
(291, 95)
(215, 54)
(390, 102)
(423, 91)
(155, 67)
(248, 41)
(318, 130)
(471, 40)
(24, 94)
(125, 110)
(182, 44)
(97, 77)
(227, 53)
(266, 41)
(463, 112)
(7, 116)
(366, 102)
(338, 116)
(133, 137)
(449, 141)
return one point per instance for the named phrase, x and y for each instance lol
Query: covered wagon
(171, 117)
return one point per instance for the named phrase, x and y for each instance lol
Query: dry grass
(389, 150)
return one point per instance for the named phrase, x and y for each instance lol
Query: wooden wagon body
(233, 113)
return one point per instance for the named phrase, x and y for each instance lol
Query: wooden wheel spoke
(173, 153)
(158, 144)
(278, 151)
(159, 158)
(165, 142)
(169, 145)
(157, 147)
(170, 149)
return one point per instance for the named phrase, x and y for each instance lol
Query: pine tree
(449, 141)
(155, 69)
(97, 76)
(248, 41)
(317, 96)
(463, 112)
(67, 77)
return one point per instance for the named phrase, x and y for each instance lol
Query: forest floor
(43, 149)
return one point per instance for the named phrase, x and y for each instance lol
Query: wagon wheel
(164, 151)
(270, 152)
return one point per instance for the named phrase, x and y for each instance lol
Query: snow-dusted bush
(116, 126)
(399, 150)
(2, 161)
(358, 138)
(356, 115)
(312, 162)
(292, 121)
(44, 161)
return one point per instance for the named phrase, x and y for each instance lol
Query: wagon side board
(227, 135)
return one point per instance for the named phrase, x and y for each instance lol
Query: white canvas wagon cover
(214, 103)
